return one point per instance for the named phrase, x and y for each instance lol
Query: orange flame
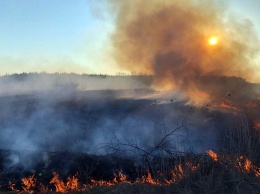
(12, 187)
(179, 172)
(198, 98)
(71, 185)
(213, 155)
(257, 125)
(147, 179)
(242, 163)
(224, 105)
(191, 166)
(120, 178)
(103, 182)
(59, 185)
(246, 166)
(29, 184)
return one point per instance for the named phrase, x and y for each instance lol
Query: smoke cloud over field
(170, 40)
(46, 113)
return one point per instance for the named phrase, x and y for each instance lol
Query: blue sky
(42, 35)
(67, 35)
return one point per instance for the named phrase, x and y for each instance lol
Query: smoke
(169, 39)
(60, 112)
(62, 83)
(43, 113)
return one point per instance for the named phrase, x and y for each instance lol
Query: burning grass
(234, 169)
(205, 173)
(257, 125)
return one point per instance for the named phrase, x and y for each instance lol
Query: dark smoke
(170, 40)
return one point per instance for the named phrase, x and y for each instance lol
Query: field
(66, 137)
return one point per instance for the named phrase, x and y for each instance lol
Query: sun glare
(213, 40)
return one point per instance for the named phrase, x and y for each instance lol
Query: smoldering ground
(169, 39)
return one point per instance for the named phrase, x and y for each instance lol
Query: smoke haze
(84, 114)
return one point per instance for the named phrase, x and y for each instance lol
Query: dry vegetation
(211, 173)
(233, 169)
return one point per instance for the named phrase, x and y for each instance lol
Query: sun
(213, 40)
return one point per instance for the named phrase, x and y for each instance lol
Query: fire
(224, 105)
(213, 155)
(242, 163)
(59, 185)
(147, 179)
(12, 187)
(29, 184)
(213, 40)
(246, 166)
(191, 166)
(70, 185)
(257, 125)
(198, 98)
(120, 178)
(103, 182)
(178, 173)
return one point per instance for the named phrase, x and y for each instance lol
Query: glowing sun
(213, 40)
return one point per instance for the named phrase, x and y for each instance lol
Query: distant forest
(118, 74)
(26, 82)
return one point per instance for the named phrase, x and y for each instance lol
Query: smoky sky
(169, 39)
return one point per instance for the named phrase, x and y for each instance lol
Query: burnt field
(101, 139)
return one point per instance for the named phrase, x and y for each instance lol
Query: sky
(68, 35)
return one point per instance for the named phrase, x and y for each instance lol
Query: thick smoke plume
(170, 40)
